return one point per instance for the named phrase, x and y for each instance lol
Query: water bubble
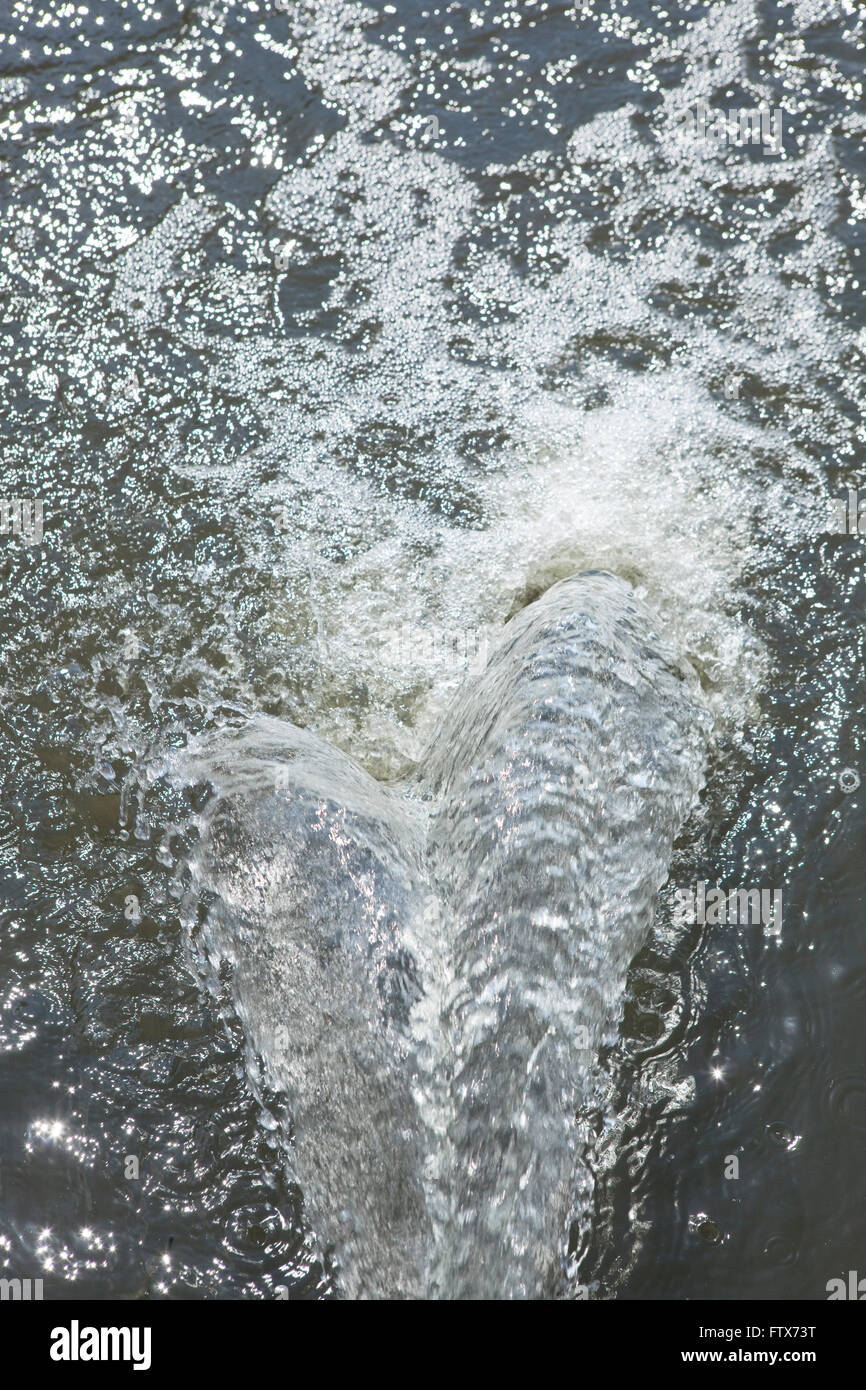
(783, 1136)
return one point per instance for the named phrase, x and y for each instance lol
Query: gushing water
(435, 1060)
(337, 335)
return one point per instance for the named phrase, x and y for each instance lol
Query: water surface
(331, 338)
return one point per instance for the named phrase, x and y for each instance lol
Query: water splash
(435, 1060)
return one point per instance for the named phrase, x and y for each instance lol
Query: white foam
(655, 475)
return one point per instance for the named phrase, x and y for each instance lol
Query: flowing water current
(426, 428)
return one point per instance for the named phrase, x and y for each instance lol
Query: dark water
(339, 322)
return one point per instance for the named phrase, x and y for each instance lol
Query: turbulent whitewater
(337, 335)
(427, 971)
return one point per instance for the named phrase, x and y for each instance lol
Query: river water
(332, 337)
